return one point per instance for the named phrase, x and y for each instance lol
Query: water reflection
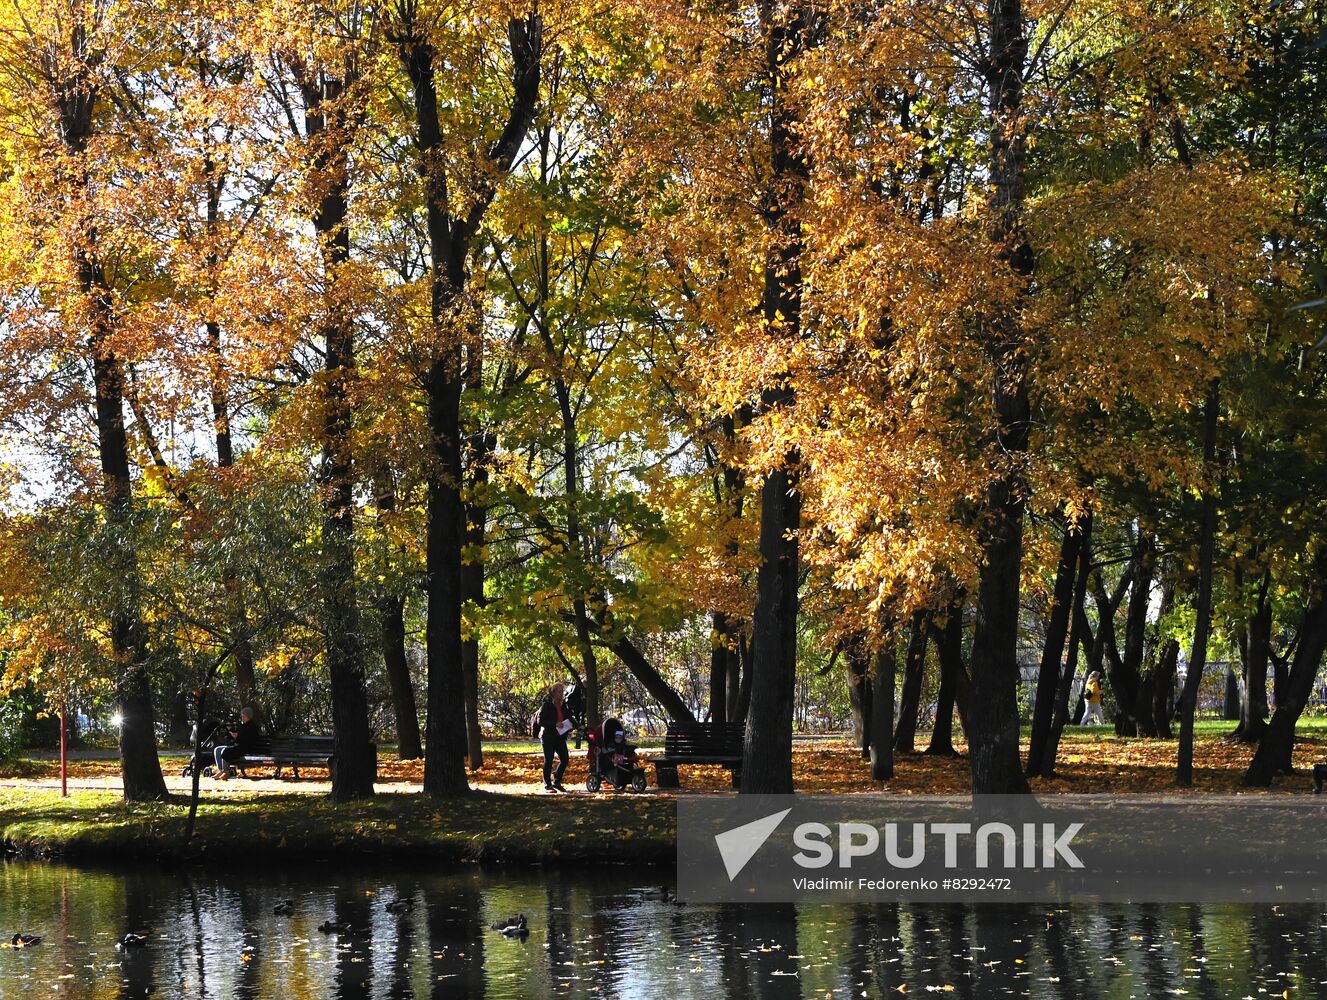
(400, 985)
(251, 945)
(137, 965)
(616, 934)
(558, 934)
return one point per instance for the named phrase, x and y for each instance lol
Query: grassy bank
(98, 826)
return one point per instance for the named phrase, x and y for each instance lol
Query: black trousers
(554, 745)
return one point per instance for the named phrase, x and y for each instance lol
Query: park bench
(700, 743)
(293, 751)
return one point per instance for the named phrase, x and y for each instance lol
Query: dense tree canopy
(405, 357)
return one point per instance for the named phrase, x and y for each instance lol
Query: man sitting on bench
(246, 738)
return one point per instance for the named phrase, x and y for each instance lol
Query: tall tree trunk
(1275, 751)
(720, 654)
(858, 659)
(1203, 610)
(1280, 677)
(450, 238)
(1076, 638)
(1093, 644)
(140, 769)
(1163, 698)
(1240, 679)
(882, 712)
(1255, 648)
(1128, 680)
(1106, 649)
(726, 665)
(589, 662)
(743, 702)
(1230, 708)
(444, 758)
(139, 766)
(1052, 651)
(220, 401)
(444, 761)
(391, 637)
(768, 752)
(391, 626)
(914, 673)
(1162, 705)
(1136, 635)
(736, 712)
(949, 651)
(993, 712)
(353, 770)
(1145, 711)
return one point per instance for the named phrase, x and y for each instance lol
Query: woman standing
(554, 724)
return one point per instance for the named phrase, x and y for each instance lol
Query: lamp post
(64, 753)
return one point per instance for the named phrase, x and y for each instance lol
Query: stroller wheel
(207, 771)
(638, 781)
(187, 770)
(593, 783)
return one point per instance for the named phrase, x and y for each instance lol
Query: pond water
(612, 933)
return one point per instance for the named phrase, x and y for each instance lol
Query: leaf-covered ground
(1091, 760)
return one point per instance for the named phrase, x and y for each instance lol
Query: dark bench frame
(292, 751)
(719, 743)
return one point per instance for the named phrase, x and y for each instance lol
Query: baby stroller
(613, 759)
(213, 734)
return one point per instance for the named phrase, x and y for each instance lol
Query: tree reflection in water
(354, 970)
(769, 944)
(400, 985)
(456, 940)
(139, 917)
(559, 944)
(212, 933)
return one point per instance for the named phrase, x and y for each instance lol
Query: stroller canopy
(603, 733)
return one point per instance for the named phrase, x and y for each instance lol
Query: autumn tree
(61, 63)
(315, 66)
(458, 170)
